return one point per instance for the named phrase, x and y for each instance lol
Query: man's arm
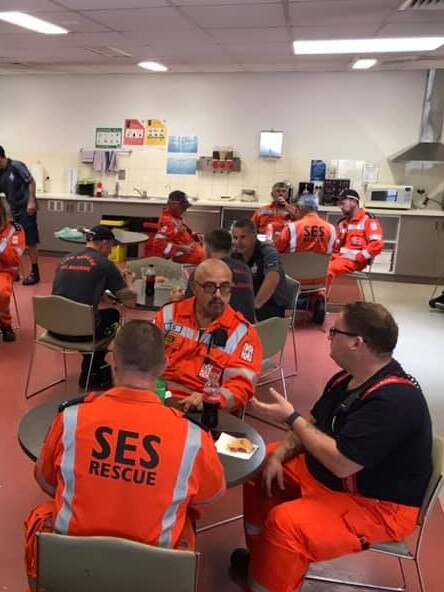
(374, 238)
(267, 289)
(45, 470)
(31, 207)
(166, 241)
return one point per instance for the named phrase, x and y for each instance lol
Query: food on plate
(160, 279)
(240, 445)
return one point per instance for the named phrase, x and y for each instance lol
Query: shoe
(240, 562)
(8, 334)
(33, 278)
(319, 311)
(439, 305)
(437, 302)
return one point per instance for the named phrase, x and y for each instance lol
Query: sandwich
(240, 445)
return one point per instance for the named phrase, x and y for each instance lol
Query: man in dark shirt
(218, 245)
(269, 283)
(354, 473)
(84, 277)
(17, 184)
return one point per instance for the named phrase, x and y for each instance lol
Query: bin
(150, 229)
(118, 253)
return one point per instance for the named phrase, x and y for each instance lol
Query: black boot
(8, 334)
(33, 277)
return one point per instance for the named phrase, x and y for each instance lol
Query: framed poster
(108, 137)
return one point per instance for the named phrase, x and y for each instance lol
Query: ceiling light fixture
(364, 64)
(153, 66)
(342, 46)
(27, 21)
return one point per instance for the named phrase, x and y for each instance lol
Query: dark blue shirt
(14, 183)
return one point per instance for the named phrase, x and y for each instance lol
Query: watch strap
(292, 418)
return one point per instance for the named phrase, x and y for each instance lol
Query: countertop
(228, 204)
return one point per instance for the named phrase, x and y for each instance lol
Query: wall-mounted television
(270, 145)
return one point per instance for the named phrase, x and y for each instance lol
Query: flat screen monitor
(270, 144)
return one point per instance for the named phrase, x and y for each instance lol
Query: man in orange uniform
(174, 239)
(352, 474)
(205, 335)
(122, 464)
(12, 245)
(277, 213)
(359, 236)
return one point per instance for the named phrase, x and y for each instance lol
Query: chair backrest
(293, 289)
(306, 265)
(273, 335)
(436, 478)
(64, 316)
(165, 267)
(108, 564)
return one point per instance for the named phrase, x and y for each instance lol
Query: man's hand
(277, 410)
(194, 401)
(31, 208)
(273, 470)
(128, 276)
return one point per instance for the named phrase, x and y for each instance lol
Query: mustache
(215, 301)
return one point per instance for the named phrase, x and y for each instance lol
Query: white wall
(364, 116)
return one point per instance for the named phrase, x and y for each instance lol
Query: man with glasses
(353, 473)
(277, 213)
(204, 335)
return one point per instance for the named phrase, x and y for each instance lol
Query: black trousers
(270, 309)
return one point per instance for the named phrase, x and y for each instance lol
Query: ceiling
(210, 35)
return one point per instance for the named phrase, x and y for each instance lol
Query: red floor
(19, 492)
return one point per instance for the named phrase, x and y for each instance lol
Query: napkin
(222, 447)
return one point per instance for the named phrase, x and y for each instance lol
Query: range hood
(429, 148)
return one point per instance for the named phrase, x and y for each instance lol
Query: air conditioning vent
(422, 5)
(109, 52)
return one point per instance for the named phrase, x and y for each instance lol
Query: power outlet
(121, 175)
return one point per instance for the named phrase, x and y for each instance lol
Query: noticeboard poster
(155, 132)
(108, 137)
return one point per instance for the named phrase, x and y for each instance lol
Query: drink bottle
(150, 281)
(211, 401)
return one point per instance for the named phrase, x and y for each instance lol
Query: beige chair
(108, 564)
(364, 275)
(294, 288)
(273, 335)
(165, 267)
(66, 317)
(402, 551)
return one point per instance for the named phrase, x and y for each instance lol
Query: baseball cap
(179, 197)
(348, 193)
(98, 233)
(308, 201)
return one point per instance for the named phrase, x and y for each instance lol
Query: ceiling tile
(30, 6)
(143, 19)
(338, 12)
(221, 2)
(334, 32)
(250, 36)
(72, 21)
(435, 29)
(242, 15)
(112, 4)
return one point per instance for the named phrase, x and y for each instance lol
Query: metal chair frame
(275, 328)
(400, 550)
(294, 287)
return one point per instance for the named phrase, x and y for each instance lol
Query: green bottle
(161, 389)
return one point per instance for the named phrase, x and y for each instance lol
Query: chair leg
(29, 396)
(88, 376)
(220, 523)
(17, 314)
(371, 288)
(284, 386)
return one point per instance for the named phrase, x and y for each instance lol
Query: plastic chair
(360, 276)
(273, 334)
(108, 564)
(66, 317)
(401, 550)
(293, 287)
(165, 267)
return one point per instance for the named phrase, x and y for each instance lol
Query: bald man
(204, 335)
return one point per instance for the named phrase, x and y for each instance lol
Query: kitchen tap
(141, 193)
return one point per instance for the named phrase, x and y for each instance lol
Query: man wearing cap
(277, 213)
(18, 185)
(359, 236)
(174, 239)
(84, 277)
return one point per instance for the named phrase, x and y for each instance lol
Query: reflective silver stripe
(249, 374)
(375, 237)
(266, 212)
(50, 489)
(167, 249)
(348, 253)
(255, 587)
(331, 242)
(252, 529)
(5, 241)
(228, 396)
(177, 386)
(358, 226)
(70, 415)
(235, 338)
(366, 254)
(293, 237)
(168, 311)
(190, 451)
(161, 236)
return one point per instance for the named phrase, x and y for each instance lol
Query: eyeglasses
(333, 331)
(212, 287)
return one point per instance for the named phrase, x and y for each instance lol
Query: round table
(123, 237)
(35, 423)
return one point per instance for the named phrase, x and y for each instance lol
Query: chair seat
(87, 346)
(268, 365)
(396, 548)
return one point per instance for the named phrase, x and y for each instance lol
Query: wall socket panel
(121, 175)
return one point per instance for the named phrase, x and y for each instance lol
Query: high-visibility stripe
(255, 587)
(190, 451)
(50, 489)
(293, 237)
(348, 253)
(332, 240)
(358, 226)
(70, 416)
(235, 338)
(161, 236)
(249, 374)
(228, 396)
(4, 242)
(168, 312)
(366, 254)
(168, 249)
(375, 237)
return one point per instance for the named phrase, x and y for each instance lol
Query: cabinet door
(203, 220)
(419, 247)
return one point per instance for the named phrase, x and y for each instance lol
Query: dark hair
(140, 346)
(245, 223)
(279, 185)
(177, 195)
(374, 324)
(2, 152)
(218, 240)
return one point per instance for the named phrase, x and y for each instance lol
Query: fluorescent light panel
(359, 46)
(27, 21)
(153, 66)
(364, 64)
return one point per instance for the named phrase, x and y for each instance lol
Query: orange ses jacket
(271, 214)
(12, 245)
(310, 233)
(122, 464)
(359, 239)
(172, 231)
(229, 346)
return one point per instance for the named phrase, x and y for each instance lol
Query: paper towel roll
(39, 176)
(72, 180)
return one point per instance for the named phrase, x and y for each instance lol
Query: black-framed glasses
(333, 331)
(211, 287)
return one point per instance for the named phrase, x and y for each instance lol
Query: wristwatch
(292, 418)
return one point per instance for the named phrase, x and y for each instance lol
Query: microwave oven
(389, 196)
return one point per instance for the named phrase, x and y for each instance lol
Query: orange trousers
(339, 266)
(41, 519)
(195, 257)
(308, 522)
(6, 280)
